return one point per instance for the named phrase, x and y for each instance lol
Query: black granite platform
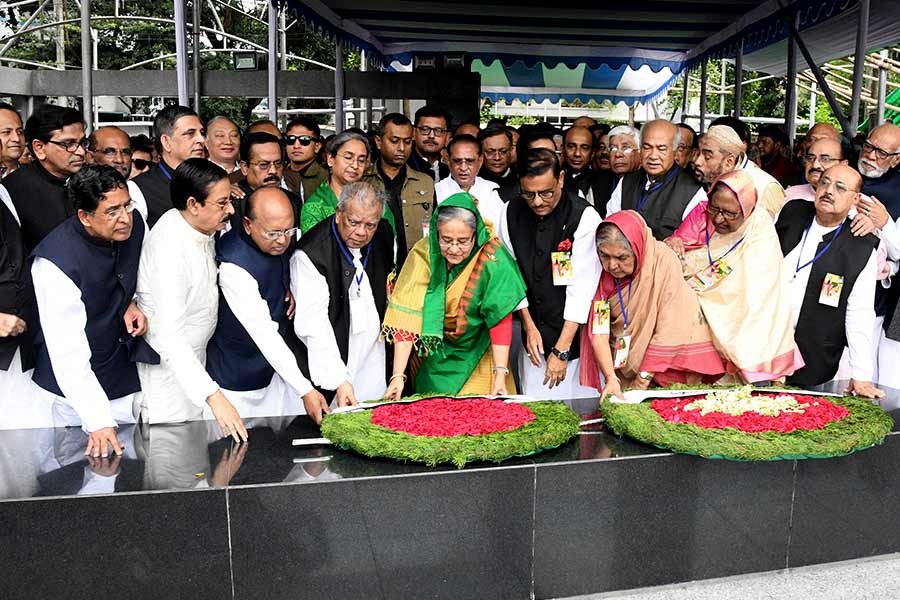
(185, 514)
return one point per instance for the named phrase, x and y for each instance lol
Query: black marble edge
(114, 494)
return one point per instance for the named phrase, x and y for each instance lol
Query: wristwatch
(560, 354)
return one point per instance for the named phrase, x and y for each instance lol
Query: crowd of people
(226, 274)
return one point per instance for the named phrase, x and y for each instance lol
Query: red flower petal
(446, 417)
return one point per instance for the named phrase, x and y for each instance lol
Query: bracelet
(395, 376)
(499, 368)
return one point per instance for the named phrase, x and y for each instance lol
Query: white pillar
(859, 63)
(87, 83)
(273, 63)
(181, 53)
(339, 121)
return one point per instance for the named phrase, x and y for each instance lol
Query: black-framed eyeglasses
(881, 153)
(111, 152)
(824, 159)
(305, 140)
(712, 211)
(426, 131)
(71, 145)
(544, 194)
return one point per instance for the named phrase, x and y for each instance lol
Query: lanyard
(656, 186)
(347, 255)
(165, 171)
(818, 254)
(622, 303)
(709, 254)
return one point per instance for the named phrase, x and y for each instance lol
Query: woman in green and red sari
(450, 314)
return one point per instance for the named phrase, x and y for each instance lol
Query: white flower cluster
(737, 401)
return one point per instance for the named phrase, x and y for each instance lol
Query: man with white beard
(880, 203)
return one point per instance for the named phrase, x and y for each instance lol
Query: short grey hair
(360, 191)
(335, 144)
(609, 233)
(456, 213)
(625, 130)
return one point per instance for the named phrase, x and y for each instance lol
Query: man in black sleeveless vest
(832, 281)
(250, 353)
(180, 136)
(57, 141)
(88, 339)
(660, 190)
(551, 235)
(594, 186)
(339, 280)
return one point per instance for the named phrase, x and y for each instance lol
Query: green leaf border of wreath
(865, 426)
(554, 424)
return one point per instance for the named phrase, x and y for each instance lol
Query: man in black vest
(85, 276)
(180, 136)
(497, 147)
(249, 354)
(594, 186)
(832, 281)
(18, 314)
(339, 280)
(551, 235)
(56, 138)
(660, 190)
(432, 125)
(262, 166)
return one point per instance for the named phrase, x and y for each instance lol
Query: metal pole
(684, 97)
(273, 63)
(724, 73)
(820, 79)
(87, 63)
(195, 45)
(181, 53)
(812, 104)
(859, 64)
(790, 101)
(703, 96)
(739, 79)
(882, 89)
(339, 122)
(282, 43)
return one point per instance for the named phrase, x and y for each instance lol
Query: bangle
(499, 368)
(396, 375)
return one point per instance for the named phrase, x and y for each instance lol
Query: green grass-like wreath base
(865, 426)
(554, 424)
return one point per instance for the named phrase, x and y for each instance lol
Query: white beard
(872, 172)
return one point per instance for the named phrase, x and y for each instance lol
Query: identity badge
(710, 276)
(831, 290)
(600, 318)
(623, 345)
(563, 273)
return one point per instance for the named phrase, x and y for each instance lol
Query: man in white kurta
(350, 248)
(177, 291)
(466, 159)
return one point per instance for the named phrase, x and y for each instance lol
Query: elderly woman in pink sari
(732, 260)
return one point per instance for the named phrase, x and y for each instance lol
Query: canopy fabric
(629, 52)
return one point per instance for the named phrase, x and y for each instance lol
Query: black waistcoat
(321, 246)
(155, 184)
(40, 199)
(820, 333)
(533, 239)
(601, 183)
(16, 291)
(662, 206)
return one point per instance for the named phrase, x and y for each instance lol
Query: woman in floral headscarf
(732, 259)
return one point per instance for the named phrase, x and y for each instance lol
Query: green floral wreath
(554, 424)
(865, 426)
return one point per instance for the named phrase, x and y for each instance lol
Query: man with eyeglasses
(179, 135)
(684, 153)
(466, 159)
(112, 147)
(339, 278)
(90, 329)
(624, 150)
(821, 154)
(496, 145)
(263, 166)
(661, 191)
(831, 276)
(302, 144)
(432, 129)
(252, 352)
(551, 236)
(38, 190)
(409, 193)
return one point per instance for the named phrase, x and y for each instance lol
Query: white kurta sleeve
(503, 234)
(63, 319)
(170, 283)
(137, 196)
(241, 291)
(580, 293)
(859, 321)
(890, 235)
(615, 201)
(699, 197)
(312, 325)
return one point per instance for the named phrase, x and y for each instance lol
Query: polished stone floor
(874, 578)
